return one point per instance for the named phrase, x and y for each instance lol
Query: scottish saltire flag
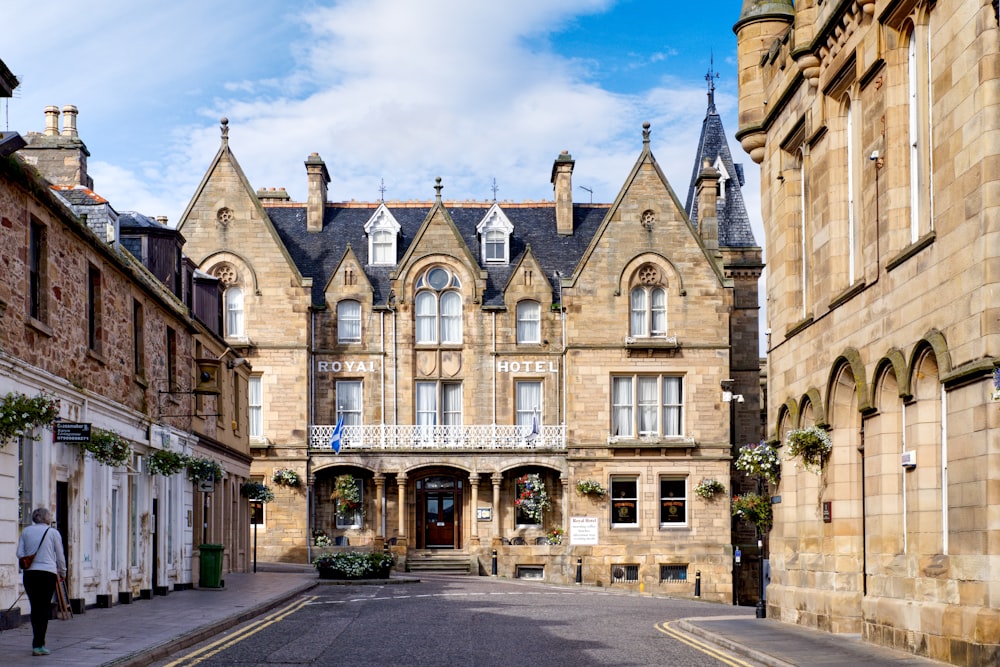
(338, 432)
(531, 437)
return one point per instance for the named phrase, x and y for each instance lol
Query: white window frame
(683, 498)
(494, 233)
(255, 407)
(349, 321)
(350, 401)
(381, 253)
(615, 489)
(529, 322)
(439, 403)
(528, 402)
(438, 309)
(635, 413)
(648, 311)
(235, 316)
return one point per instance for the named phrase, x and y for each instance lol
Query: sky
(388, 92)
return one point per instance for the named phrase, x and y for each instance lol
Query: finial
(437, 187)
(225, 130)
(645, 133)
(711, 77)
(381, 190)
(495, 188)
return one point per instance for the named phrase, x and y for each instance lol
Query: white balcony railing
(409, 437)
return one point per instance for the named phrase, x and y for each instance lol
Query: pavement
(146, 631)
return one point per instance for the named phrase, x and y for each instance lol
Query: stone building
(123, 342)
(456, 349)
(875, 123)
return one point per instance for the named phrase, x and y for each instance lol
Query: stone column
(379, 497)
(474, 505)
(496, 478)
(401, 486)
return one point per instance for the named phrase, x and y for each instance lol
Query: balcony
(375, 437)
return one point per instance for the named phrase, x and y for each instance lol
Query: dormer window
(494, 232)
(382, 230)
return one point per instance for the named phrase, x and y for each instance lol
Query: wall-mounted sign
(345, 366)
(484, 513)
(583, 530)
(71, 432)
(827, 512)
(504, 366)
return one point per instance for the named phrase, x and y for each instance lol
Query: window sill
(798, 326)
(651, 342)
(671, 442)
(624, 526)
(914, 248)
(847, 294)
(39, 326)
(97, 356)
(141, 381)
(674, 526)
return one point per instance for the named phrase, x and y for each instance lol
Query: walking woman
(47, 569)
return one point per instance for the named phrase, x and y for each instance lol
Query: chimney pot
(69, 121)
(51, 121)
(162, 219)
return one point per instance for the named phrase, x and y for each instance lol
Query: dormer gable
(494, 232)
(382, 230)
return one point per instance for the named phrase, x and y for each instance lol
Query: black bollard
(579, 571)
(493, 568)
(697, 583)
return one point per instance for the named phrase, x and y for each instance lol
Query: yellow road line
(707, 649)
(196, 657)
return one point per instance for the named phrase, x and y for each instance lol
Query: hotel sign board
(583, 530)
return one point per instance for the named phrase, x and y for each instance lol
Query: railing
(409, 437)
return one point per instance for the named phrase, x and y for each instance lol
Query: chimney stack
(562, 185)
(316, 202)
(707, 187)
(51, 121)
(162, 219)
(69, 121)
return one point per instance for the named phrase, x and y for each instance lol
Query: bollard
(493, 568)
(697, 583)
(579, 571)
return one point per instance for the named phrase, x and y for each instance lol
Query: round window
(438, 278)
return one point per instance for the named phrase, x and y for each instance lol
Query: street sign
(72, 432)
(206, 485)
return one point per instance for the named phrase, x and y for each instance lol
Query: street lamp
(732, 399)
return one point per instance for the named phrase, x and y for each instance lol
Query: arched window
(649, 311)
(348, 322)
(529, 325)
(234, 312)
(438, 307)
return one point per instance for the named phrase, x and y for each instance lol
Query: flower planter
(339, 575)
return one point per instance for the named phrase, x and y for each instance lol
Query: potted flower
(286, 477)
(108, 447)
(256, 492)
(532, 499)
(555, 536)
(20, 415)
(760, 459)
(811, 446)
(589, 487)
(165, 462)
(346, 494)
(203, 468)
(754, 508)
(321, 539)
(354, 565)
(707, 488)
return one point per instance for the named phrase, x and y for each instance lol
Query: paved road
(476, 621)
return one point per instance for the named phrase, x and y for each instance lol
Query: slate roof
(734, 223)
(317, 254)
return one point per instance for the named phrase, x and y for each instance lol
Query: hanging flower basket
(708, 488)
(346, 494)
(199, 469)
(812, 446)
(996, 384)
(760, 459)
(165, 462)
(532, 499)
(286, 477)
(256, 492)
(555, 536)
(20, 415)
(108, 447)
(589, 487)
(754, 508)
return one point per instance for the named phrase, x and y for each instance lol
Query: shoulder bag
(24, 562)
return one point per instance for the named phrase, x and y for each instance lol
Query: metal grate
(624, 574)
(530, 572)
(674, 573)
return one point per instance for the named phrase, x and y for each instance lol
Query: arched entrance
(439, 512)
